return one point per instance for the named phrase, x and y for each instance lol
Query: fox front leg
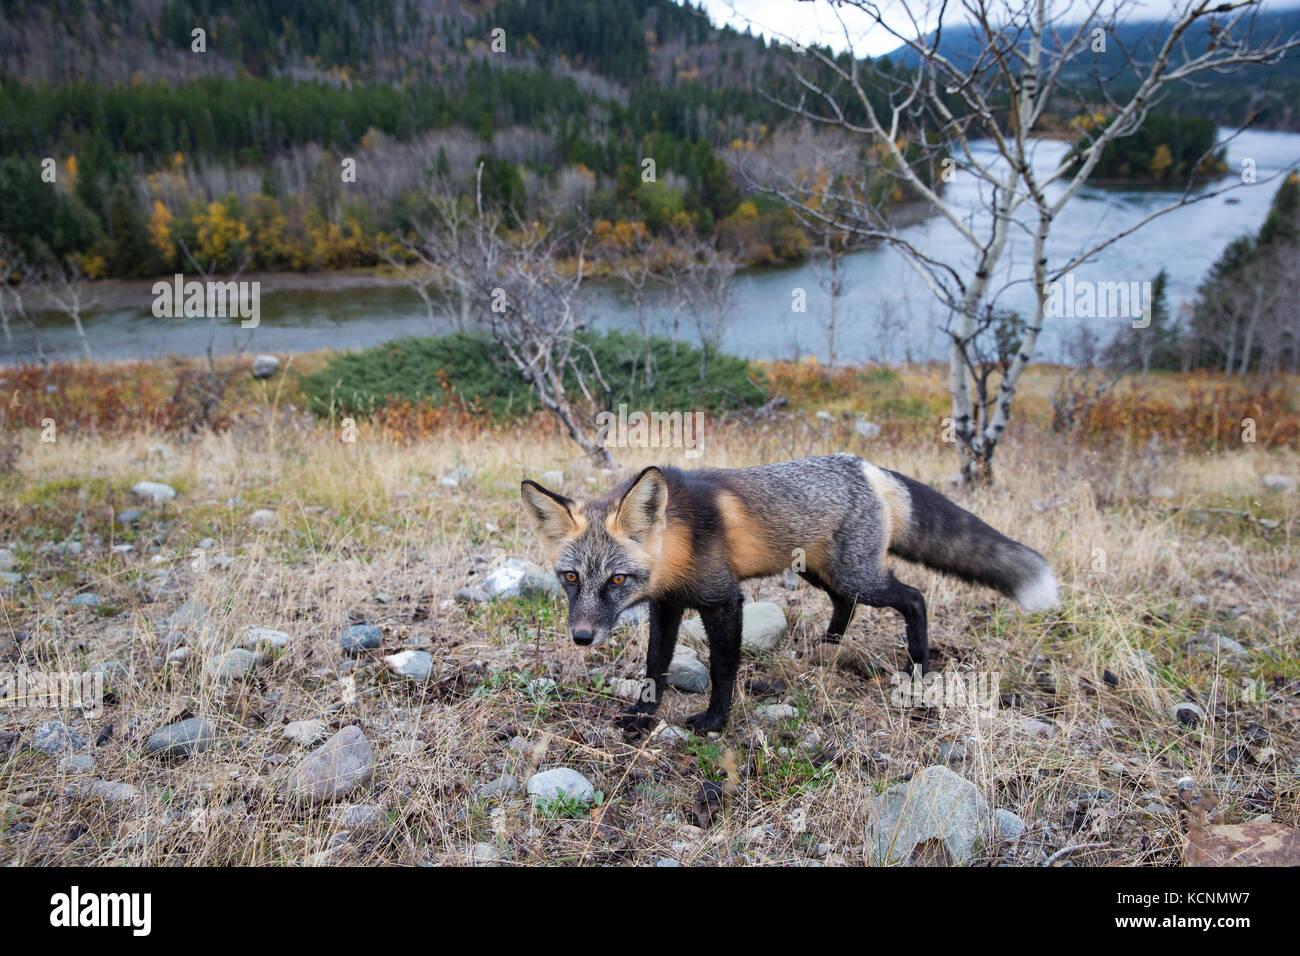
(722, 625)
(665, 618)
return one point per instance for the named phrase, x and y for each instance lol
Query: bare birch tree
(921, 115)
(67, 287)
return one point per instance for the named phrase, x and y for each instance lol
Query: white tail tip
(1039, 593)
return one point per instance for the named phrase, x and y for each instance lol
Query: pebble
(155, 491)
(335, 769)
(231, 666)
(415, 665)
(53, 737)
(258, 635)
(762, 627)
(88, 599)
(304, 733)
(505, 785)
(775, 712)
(264, 366)
(1007, 825)
(551, 784)
(181, 739)
(686, 672)
(360, 638)
(261, 518)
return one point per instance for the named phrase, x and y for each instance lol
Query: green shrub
(470, 369)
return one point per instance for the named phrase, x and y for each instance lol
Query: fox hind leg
(909, 602)
(841, 609)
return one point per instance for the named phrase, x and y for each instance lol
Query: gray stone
(473, 595)
(191, 615)
(360, 638)
(762, 627)
(1188, 714)
(339, 766)
(154, 491)
(1007, 825)
(7, 560)
(553, 478)
(233, 665)
(305, 733)
(519, 578)
(77, 763)
(207, 543)
(264, 366)
(88, 599)
(254, 636)
(866, 429)
(414, 665)
(181, 739)
(11, 577)
(1276, 482)
(484, 854)
(357, 815)
(634, 616)
(1211, 642)
(53, 737)
(109, 791)
(505, 785)
(561, 781)
(112, 671)
(261, 518)
(775, 712)
(935, 805)
(686, 672)
(1036, 728)
(129, 516)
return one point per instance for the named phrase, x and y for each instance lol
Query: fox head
(605, 552)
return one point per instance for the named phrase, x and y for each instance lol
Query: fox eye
(618, 578)
(571, 577)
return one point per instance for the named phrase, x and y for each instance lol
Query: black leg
(665, 618)
(841, 608)
(909, 602)
(722, 624)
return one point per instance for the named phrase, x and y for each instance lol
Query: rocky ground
(320, 653)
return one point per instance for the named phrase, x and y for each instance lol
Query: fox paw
(705, 722)
(631, 720)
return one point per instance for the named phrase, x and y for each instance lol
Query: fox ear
(553, 513)
(643, 511)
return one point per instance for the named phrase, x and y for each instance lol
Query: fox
(681, 540)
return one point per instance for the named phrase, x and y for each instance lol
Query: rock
(264, 366)
(181, 739)
(825, 416)
(454, 477)
(129, 517)
(254, 636)
(935, 805)
(53, 737)
(1211, 642)
(110, 791)
(552, 784)
(11, 577)
(190, 616)
(339, 766)
(775, 712)
(1007, 825)
(155, 491)
(77, 763)
(304, 733)
(1163, 493)
(762, 627)
(634, 616)
(359, 638)
(88, 600)
(7, 560)
(1189, 714)
(866, 429)
(553, 478)
(111, 671)
(358, 815)
(484, 854)
(207, 544)
(686, 672)
(261, 518)
(1278, 482)
(415, 665)
(231, 666)
(473, 595)
(505, 785)
(666, 862)
(519, 578)
(1036, 728)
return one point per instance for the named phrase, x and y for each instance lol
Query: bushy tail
(942, 536)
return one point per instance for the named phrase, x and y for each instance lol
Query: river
(887, 313)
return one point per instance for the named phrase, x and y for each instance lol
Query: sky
(816, 22)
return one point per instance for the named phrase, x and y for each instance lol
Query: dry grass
(365, 531)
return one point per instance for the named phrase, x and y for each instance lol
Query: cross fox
(686, 539)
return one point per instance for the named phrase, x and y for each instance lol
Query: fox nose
(582, 638)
